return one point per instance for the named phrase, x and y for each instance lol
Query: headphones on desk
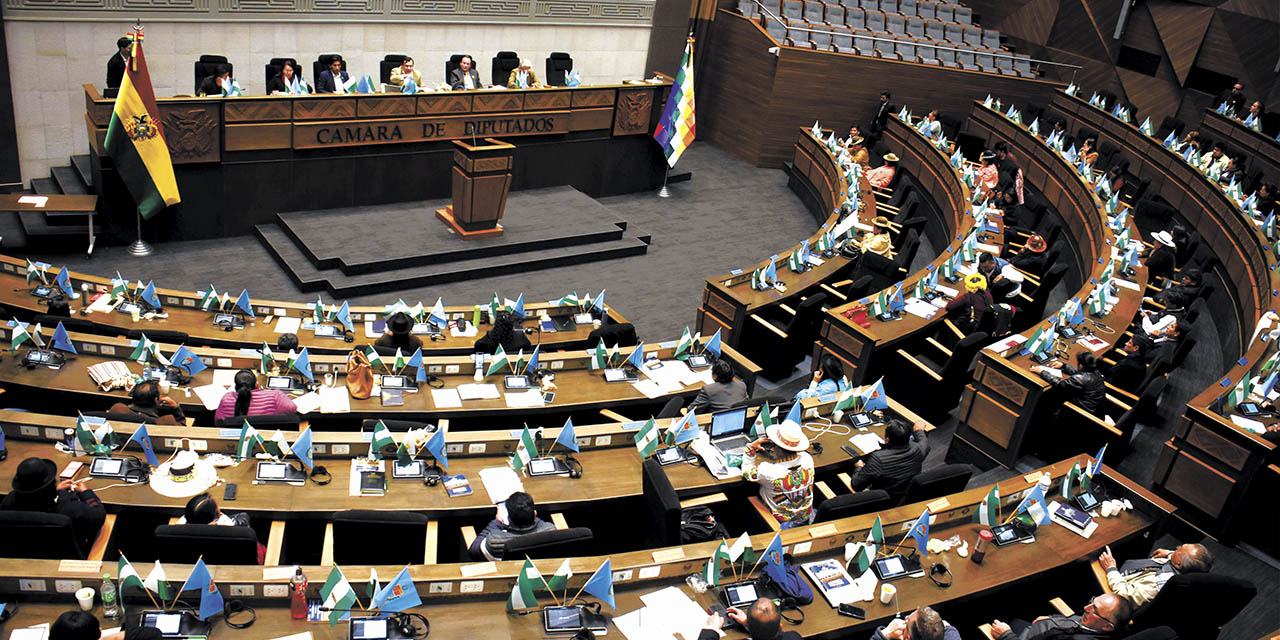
(435, 382)
(432, 475)
(435, 337)
(575, 467)
(403, 622)
(941, 575)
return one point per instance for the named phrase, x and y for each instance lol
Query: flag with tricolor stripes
(135, 139)
(675, 130)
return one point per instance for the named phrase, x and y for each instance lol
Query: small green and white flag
(861, 560)
(381, 438)
(1070, 481)
(157, 582)
(84, 435)
(34, 272)
(495, 305)
(338, 596)
(400, 361)
(276, 447)
(560, 580)
(268, 360)
(20, 334)
(375, 358)
(208, 300)
(522, 596)
(1241, 391)
(600, 357)
(498, 363)
(317, 311)
(143, 348)
(249, 438)
(988, 512)
(685, 343)
(647, 439)
(374, 586)
(741, 550)
(568, 300)
(875, 537)
(711, 573)
(127, 576)
(526, 449)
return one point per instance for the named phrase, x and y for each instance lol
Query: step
(45, 186)
(84, 168)
(38, 224)
(68, 180)
(310, 278)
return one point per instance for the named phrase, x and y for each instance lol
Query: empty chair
(835, 14)
(945, 12)
(558, 66)
(78, 325)
(965, 58)
(842, 38)
(907, 8)
(896, 24)
(779, 349)
(186, 543)
(935, 31)
(905, 48)
(792, 9)
(43, 535)
(554, 543)
(926, 10)
(863, 44)
(915, 27)
(159, 335)
(321, 64)
(985, 60)
(813, 11)
(506, 62)
(884, 48)
(622, 334)
(991, 39)
(273, 68)
(1022, 65)
(774, 6)
(798, 37)
(926, 52)
(776, 30)
(387, 63)
(889, 6)
(207, 65)
(746, 8)
(972, 36)
(352, 531)
(953, 33)
(869, 5)
(964, 15)
(282, 421)
(820, 39)
(855, 18)
(875, 21)
(935, 483)
(852, 504)
(663, 503)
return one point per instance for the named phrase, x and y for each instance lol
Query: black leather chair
(186, 543)
(207, 65)
(622, 334)
(853, 504)
(555, 543)
(273, 67)
(779, 350)
(352, 531)
(1033, 312)
(44, 535)
(671, 409)
(1195, 605)
(76, 325)
(859, 287)
(395, 426)
(559, 64)
(663, 503)
(885, 271)
(283, 421)
(119, 416)
(503, 64)
(321, 63)
(1155, 633)
(455, 61)
(159, 335)
(935, 483)
(945, 381)
(387, 63)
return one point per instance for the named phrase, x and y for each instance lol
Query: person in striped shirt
(249, 400)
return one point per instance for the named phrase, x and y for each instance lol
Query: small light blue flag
(144, 440)
(518, 308)
(397, 595)
(365, 85)
(210, 597)
(600, 584)
(567, 436)
(415, 361)
(873, 398)
(302, 364)
(344, 316)
(533, 359)
(636, 359)
(64, 282)
(302, 448)
(244, 304)
(773, 559)
(435, 446)
(713, 345)
(187, 360)
(598, 304)
(149, 295)
(409, 86)
(796, 414)
(62, 341)
(920, 531)
(1035, 506)
(687, 429)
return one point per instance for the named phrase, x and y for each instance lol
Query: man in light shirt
(1141, 580)
(523, 77)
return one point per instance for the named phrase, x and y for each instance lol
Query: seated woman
(721, 394)
(288, 81)
(505, 332)
(784, 470)
(399, 335)
(829, 378)
(203, 509)
(249, 400)
(36, 487)
(148, 404)
(881, 176)
(1082, 384)
(1089, 151)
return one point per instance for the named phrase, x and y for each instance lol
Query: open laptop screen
(728, 423)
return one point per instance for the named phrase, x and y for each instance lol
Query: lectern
(481, 178)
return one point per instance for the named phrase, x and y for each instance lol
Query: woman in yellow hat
(969, 309)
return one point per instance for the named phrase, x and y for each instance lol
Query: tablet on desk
(396, 382)
(279, 472)
(741, 594)
(1249, 409)
(228, 320)
(328, 331)
(619, 375)
(107, 467)
(423, 328)
(547, 466)
(369, 629)
(1006, 534)
(43, 292)
(561, 619)
(698, 362)
(516, 382)
(281, 383)
(411, 470)
(860, 420)
(670, 455)
(169, 624)
(129, 308)
(896, 566)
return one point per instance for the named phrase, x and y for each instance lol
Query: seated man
(881, 176)
(892, 466)
(1106, 616)
(520, 518)
(922, 624)
(1002, 280)
(333, 79)
(77, 625)
(1032, 258)
(214, 85)
(1141, 580)
(36, 488)
(721, 394)
(402, 73)
(148, 404)
(465, 76)
(762, 622)
(523, 77)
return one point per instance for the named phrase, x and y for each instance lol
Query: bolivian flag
(135, 139)
(676, 129)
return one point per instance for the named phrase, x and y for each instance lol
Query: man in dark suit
(883, 111)
(762, 622)
(1104, 617)
(894, 465)
(721, 394)
(465, 75)
(212, 85)
(116, 65)
(1234, 98)
(332, 79)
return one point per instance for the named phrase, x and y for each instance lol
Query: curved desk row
(1263, 149)
(467, 600)
(856, 346)
(1217, 471)
(580, 389)
(183, 314)
(1001, 406)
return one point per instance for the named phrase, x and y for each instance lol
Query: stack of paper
(866, 442)
(524, 399)
(287, 324)
(446, 398)
(478, 392)
(335, 400)
(500, 483)
(307, 402)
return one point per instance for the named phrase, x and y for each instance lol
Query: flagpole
(140, 248)
(544, 581)
(664, 192)
(179, 596)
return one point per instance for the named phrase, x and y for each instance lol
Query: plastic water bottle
(110, 601)
(298, 596)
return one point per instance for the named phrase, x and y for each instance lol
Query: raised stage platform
(377, 248)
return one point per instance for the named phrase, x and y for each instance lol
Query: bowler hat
(34, 474)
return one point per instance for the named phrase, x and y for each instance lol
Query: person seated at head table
(214, 85)
(403, 72)
(79, 625)
(1266, 198)
(762, 621)
(724, 391)
(1115, 182)
(1081, 384)
(1140, 580)
(249, 400)
(858, 151)
(1234, 98)
(465, 75)
(881, 176)
(523, 77)
(922, 624)
(1230, 171)
(828, 378)
(399, 335)
(119, 62)
(517, 516)
(149, 404)
(892, 466)
(333, 79)
(507, 331)
(1254, 114)
(203, 509)
(36, 488)
(929, 125)
(1188, 138)
(1160, 260)
(1003, 280)
(780, 464)
(287, 81)
(1106, 616)
(1032, 258)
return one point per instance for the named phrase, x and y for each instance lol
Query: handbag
(359, 375)
(790, 583)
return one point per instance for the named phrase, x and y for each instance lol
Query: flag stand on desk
(140, 247)
(664, 192)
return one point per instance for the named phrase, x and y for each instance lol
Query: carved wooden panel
(535, 100)
(491, 164)
(192, 133)
(632, 111)
(385, 106)
(709, 324)
(593, 98)
(1218, 447)
(1199, 484)
(992, 420)
(719, 305)
(257, 110)
(1005, 386)
(446, 103)
(841, 336)
(501, 101)
(590, 119)
(253, 137)
(324, 109)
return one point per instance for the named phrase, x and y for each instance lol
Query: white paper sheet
(307, 402)
(38, 632)
(210, 395)
(369, 332)
(1249, 424)
(667, 375)
(103, 304)
(38, 201)
(524, 399)
(1133, 286)
(679, 614)
(865, 585)
(947, 291)
(446, 398)
(335, 400)
(649, 388)
(305, 635)
(987, 247)
(500, 483)
(225, 378)
(918, 307)
(1006, 344)
(287, 324)
(866, 442)
(478, 392)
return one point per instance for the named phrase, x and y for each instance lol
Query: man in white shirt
(1141, 580)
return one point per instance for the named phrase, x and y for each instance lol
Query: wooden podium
(481, 178)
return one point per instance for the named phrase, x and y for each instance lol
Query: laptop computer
(728, 431)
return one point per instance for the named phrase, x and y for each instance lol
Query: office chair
(352, 531)
(78, 325)
(503, 64)
(671, 409)
(387, 63)
(43, 535)
(559, 64)
(282, 421)
(663, 503)
(1032, 312)
(207, 65)
(853, 504)
(622, 334)
(159, 335)
(935, 483)
(779, 349)
(395, 426)
(273, 67)
(554, 543)
(945, 382)
(1195, 605)
(119, 416)
(186, 543)
(321, 64)
(455, 61)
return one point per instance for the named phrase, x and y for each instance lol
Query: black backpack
(699, 524)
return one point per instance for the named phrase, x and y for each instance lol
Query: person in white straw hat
(779, 464)
(523, 77)
(1162, 258)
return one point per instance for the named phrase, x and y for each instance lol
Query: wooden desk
(1263, 150)
(184, 314)
(1000, 406)
(292, 153)
(480, 614)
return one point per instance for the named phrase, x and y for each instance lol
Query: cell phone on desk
(71, 470)
(852, 611)
(229, 493)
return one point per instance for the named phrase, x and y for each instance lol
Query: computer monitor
(726, 423)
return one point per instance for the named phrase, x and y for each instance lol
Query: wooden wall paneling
(1199, 483)
(1181, 27)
